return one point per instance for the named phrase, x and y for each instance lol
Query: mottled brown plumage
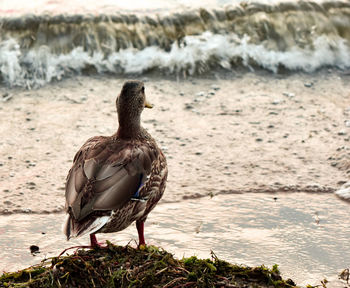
(116, 180)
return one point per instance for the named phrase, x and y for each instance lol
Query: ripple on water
(306, 234)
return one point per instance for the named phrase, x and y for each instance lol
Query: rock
(71, 100)
(198, 100)
(276, 102)
(34, 249)
(32, 164)
(26, 210)
(342, 133)
(6, 97)
(188, 106)
(344, 191)
(308, 84)
(289, 95)
(200, 94)
(347, 123)
(215, 87)
(341, 182)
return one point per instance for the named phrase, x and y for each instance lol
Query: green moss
(275, 269)
(118, 266)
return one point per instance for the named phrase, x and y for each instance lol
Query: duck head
(130, 104)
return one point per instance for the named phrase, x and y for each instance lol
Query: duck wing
(106, 174)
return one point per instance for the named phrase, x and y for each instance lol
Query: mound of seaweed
(117, 266)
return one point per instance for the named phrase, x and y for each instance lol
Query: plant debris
(119, 266)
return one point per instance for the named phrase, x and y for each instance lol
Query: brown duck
(119, 179)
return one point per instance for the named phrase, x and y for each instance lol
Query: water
(56, 42)
(306, 234)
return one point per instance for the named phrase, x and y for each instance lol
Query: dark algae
(117, 266)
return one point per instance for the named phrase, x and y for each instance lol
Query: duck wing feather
(106, 173)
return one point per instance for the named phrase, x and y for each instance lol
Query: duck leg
(140, 229)
(93, 241)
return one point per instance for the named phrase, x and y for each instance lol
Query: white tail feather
(95, 226)
(92, 228)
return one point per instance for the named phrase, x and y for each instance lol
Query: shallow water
(305, 234)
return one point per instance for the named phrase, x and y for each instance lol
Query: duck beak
(148, 105)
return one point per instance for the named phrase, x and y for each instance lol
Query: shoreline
(248, 132)
(258, 140)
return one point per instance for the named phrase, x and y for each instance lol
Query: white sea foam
(195, 55)
(344, 191)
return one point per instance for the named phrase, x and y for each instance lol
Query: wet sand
(245, 133)
(238, 133)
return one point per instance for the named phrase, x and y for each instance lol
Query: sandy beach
(244, 133)
(232, 133)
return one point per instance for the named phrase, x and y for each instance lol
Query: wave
(298, 36)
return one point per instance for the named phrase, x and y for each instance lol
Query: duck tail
(89, 225)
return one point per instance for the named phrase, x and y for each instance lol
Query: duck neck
(129, 127)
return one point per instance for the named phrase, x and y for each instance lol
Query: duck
(116, 180)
